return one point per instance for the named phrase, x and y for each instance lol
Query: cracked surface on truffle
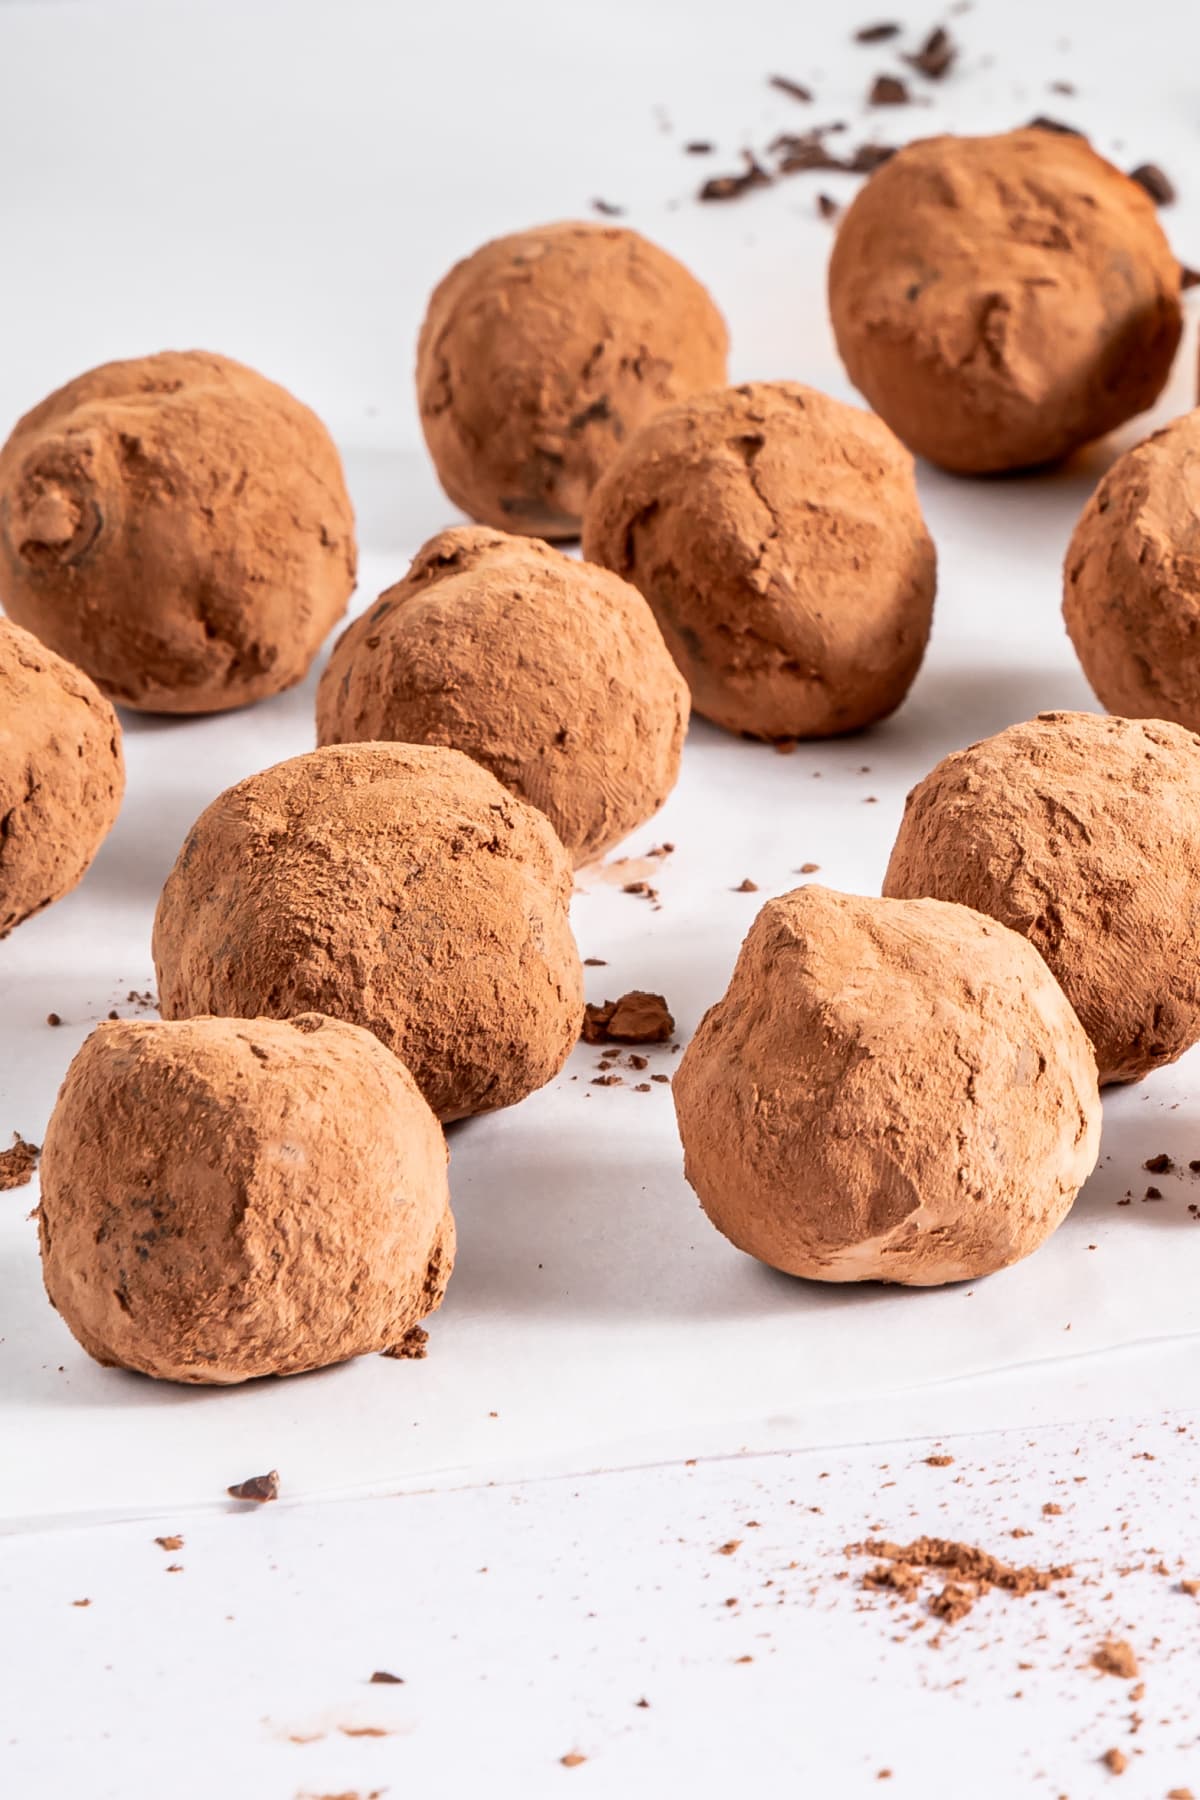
(229, 1198)
(1002, 300)
(541, 352)
(549, 672)
(1131, 596)
(778, 538)
(1080, 832)
(397, 886)
(179, 527)
(889, 1091)
(62, 775)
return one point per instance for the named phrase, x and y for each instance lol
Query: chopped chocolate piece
(259, 1488)
(799, 151)
(1156, 182)
(731, 187)
(1158, 1165)
(699, 147)
(412, 1347)
(1153, 1193)
(642, 1087)
(796, 89)
(608, 1081)
(936, 54)
(660, 1078)
(638, 1062)
(636, 1018)
(876, 34)
(1042, 123)
(385, 1678)
(607, 210)
(18, 1163)
(889, 90)
(572, 1759)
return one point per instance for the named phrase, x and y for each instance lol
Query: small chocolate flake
(385, 1678)
(1156, 183)
(728, 1549)
(732, 187)
(888, 90)
(699, 147)
(259, 1488)
(828, 208)
(607, 210)
(660, 1078)
(936, 54)
(608, 1081)
(572, 1759)
(81, 1603)
(796, 89)
(876, 34)
(594, 962)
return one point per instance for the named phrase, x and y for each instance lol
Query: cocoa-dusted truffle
(226, 1198)
(1080, 832)
(1002, 300)
(776, 534)
(541, 352)
(398, 886)
(1132, 585)
(179, 527)
(889, 1091)
(62, 775)
(549, 672)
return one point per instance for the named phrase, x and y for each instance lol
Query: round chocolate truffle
(549, 672)
(398, 886)
(890, 1090)
(541, 352)
(777, 535)
(1002, 300)
(1131, 595)
(1079, 832)
(226, 1198)
(62, 775)
(178, 526)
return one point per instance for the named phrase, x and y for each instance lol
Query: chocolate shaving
(936, 54)
(796, 89)
(973, 1572)
(259, 1488)
(732, 187)
(699, 147)
(876, 34)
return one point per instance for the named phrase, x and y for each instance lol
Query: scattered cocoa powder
(173, 1542)
(903, 1569)
(876, 34)
(18, 1163)
(939, 1462)
(1115, 1657)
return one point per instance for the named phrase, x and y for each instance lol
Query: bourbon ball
(397, 886)
(179, 527)
(550, 672)
(1002, 300)
(62, 775)
(228, 1198)
(1080, 832)
(777, 535)
(541, 352)
(890, 1090)
(1131, 595)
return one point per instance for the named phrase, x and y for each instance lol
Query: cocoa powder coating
(179, 527)
(541, 352)
(1079, 832)
(397, 886)
(889, 1091)
(62, 775)
(777, 535)
(549, 672)
(229, 1198)
(1002, 300)
(1132, 580)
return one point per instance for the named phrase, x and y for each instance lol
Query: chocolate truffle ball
(62, 775)
(549, 672)
(776, 534)
(226, 1198)
(179, 527)
(398, 886)
(1131, 595)
(541, 352)
(890, 1090)
(1081, 833)
(1002, 300)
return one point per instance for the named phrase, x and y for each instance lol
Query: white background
(285, 183)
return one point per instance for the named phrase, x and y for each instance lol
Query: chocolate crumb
(1190, 1587)
(746, 886)
(169, 1543)
(828, 208)
(53, 1019)
(660, 1078)
(732, 187)
(413, 1346)
(796, 89)
(1115, 1761)
(888, 90)
(808, 869)
(81, 1603)
(728, 1549)
(1152, 1193)
(876, 34)
(642, 1087)
(936, 54)
(636, 1018)
(114, 1014)
(384, 1677)
(18, 1163)
(1156, 182)
(594, 962)
(608, 1081)
(572, 1759)
(939, 1462)
(1115, 1657)
(699, 147)
(1158, 1165)
(259, 1488)
(607, 210)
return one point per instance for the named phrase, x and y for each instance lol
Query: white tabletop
(611, 1390)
